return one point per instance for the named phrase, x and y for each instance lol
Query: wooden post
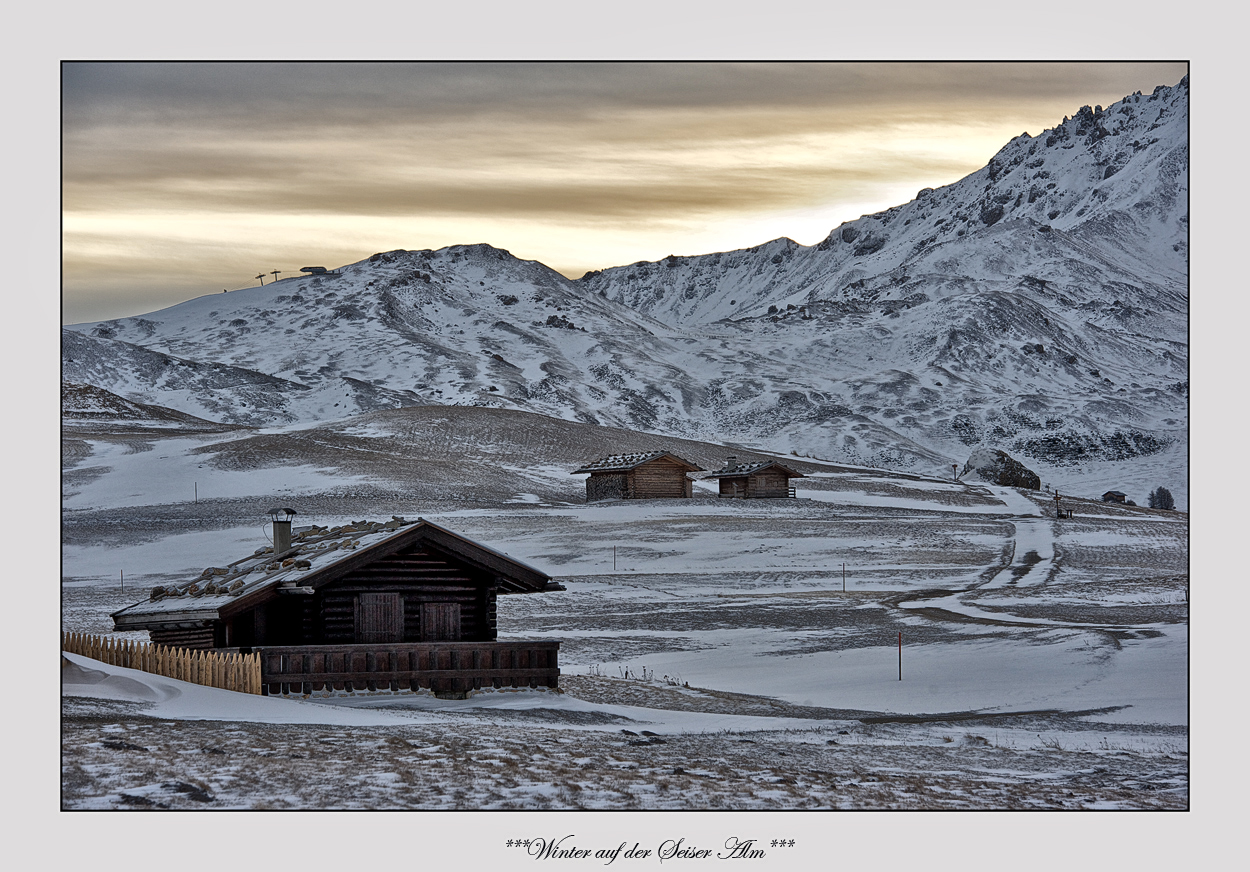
(844, 578)
(900, 655)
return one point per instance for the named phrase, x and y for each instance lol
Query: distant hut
(1113, 497)
(653, 475)
(766, 479)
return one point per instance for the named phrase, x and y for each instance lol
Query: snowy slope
(1038, 305)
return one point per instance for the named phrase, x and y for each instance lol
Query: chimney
(731, 462)
(281, 529)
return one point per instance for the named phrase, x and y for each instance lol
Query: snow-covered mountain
(1038, 305)
(1108, 186)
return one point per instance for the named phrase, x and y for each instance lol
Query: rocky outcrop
(998, 467)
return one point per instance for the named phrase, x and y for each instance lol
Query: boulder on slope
(998, 467)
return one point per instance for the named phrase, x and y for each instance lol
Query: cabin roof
(744, 469)
(317, 557)
(626, 462)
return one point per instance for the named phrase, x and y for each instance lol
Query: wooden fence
(237, 672)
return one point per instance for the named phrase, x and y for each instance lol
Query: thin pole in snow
(123, 572)
(900, 655)
(614, 558)
(844, 578)
(197, 493)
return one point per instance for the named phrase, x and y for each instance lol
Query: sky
(186, 178)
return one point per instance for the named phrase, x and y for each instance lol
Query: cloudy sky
(181, 179)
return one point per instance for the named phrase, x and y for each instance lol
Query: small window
(379, 618)
(440, 622)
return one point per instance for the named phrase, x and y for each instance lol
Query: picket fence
(237, 672)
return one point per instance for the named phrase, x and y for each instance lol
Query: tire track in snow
(1032, 562)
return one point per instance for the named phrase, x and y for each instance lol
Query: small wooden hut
(400, 602)
(654, 475)
(1114, 497)
(763, 480)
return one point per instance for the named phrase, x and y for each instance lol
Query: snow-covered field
(1044, 662)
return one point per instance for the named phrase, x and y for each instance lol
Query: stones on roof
(748, 468)
(618, 462)
(313, 544)
(626, 462)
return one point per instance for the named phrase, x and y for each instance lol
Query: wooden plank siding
(661, 478)
(766, 484)
(379, 618)
(440, 667)
(198, 638)
(423, 580)
(338, 613)
(769, 484)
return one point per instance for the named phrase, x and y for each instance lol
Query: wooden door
(440, 622)
(379, 618)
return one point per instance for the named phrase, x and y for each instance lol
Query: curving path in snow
(1033, 559)
(1033, 554)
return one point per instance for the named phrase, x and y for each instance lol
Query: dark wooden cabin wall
(184, 638)
(328, 617)
(419, 577)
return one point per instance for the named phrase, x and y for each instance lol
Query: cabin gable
(661, 478)
(436, 597)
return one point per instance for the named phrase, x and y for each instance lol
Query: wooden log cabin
(764, 480)
(399, 588)
(654, 475)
